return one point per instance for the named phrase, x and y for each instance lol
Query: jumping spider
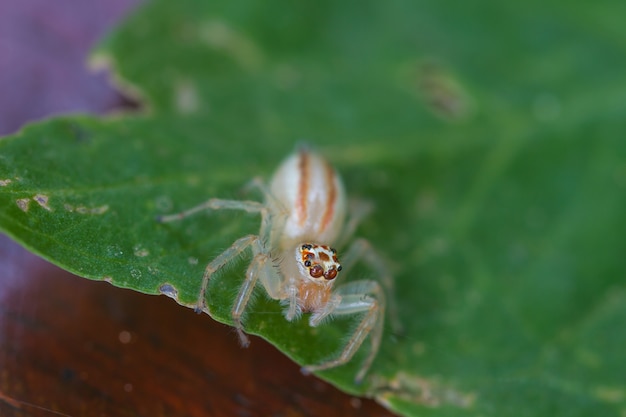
(303, 213)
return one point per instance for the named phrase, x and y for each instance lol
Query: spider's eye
(333, 250)
(339, 268)
(316, 271)
(307, 263)
(330, 274)
(306, 247)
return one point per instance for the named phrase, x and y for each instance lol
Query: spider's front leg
(362, 250)
(261, 268)
(215, 204)
(260, 263)
(359, 297)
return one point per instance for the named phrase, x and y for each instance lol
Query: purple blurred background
(44, 48)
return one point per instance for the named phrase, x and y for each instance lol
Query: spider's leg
(215, 204)
(293, 309)
(260, 267)
(358, 210)
(236, 248)
(222, 259)
(330, 308)
(362, 250)
(359, 297)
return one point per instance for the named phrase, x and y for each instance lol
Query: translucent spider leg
(292, 309)
(216, 264)
(275, 209)
(362, 250)
(260, 267)
(359, 297)
(236, 249)
(215, 204)
(359, 210)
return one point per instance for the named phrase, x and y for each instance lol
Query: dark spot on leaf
(169, 290)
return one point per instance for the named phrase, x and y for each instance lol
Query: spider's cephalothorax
(305, 202)
(319, 260)
(318, 266)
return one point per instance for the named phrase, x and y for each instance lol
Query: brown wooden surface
(73, 347)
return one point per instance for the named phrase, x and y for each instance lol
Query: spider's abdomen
(312, 197)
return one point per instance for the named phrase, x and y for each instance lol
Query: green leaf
(488, 135)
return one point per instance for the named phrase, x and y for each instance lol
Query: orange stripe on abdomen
(303, 187)
(332, 196)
